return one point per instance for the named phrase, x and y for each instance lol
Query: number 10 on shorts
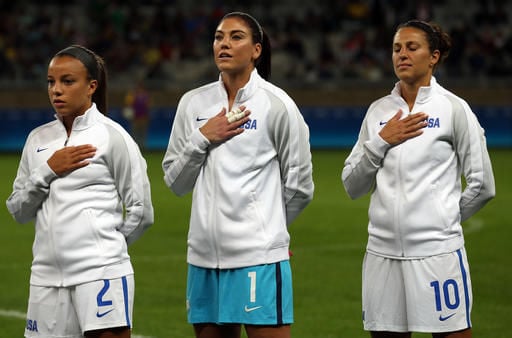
(448, 294)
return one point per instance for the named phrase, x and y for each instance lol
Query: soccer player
(413, 147)
(83, 179)
(251, 175)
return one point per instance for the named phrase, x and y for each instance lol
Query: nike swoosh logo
(99, 315)
(250, 309)
(199, 119)
(40, 149)
(441, 318)
(383, 122)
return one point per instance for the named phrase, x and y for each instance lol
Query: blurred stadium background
(334, 58)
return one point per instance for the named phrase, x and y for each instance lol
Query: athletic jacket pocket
(92, 231)
(441, 212)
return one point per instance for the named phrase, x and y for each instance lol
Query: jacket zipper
(398, 203)
(52, 238)
(400, 195)
(212, 217)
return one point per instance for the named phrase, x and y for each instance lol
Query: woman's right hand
(71, 158)
(398, 130)
(218, 129)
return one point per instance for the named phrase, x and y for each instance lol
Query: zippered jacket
(81, 234)
(417, 198)
(248, 189)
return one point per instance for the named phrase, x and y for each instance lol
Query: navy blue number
(448, 302)
(102, 292)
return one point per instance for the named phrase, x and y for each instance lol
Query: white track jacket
(80, 232)
(417, 202)
(247, 189)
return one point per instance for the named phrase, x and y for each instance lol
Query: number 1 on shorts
(252, 294)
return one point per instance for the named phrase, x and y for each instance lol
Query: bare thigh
(208, 330)
(262, 331)
(459, 334)
(385, 334)
(118, 332)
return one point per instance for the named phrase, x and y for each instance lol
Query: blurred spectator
(137, 111)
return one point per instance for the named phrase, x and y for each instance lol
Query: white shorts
(431, 294)
(68, 312)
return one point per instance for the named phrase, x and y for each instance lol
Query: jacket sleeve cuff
(44, 175)
(376, 149)
(199, 140)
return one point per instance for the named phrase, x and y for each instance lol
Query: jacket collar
(85, 120)
(424, 93)
(246, 91)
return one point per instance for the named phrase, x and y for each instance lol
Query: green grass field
(328, 242)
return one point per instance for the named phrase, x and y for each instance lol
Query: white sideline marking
(473, 225)
(23, 315)
(13, 314)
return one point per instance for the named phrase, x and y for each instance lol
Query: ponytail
(96, 70)
(436, 37)
(263, 62)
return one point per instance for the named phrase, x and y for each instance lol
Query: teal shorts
(256, 295)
